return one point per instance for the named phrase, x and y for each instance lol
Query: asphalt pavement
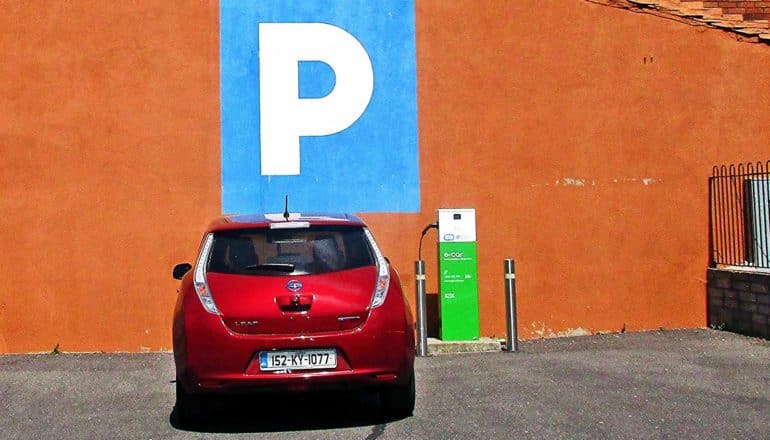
(667, 384)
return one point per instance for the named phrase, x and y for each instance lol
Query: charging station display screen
(458, 281)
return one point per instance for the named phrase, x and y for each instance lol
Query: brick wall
(750, 9)
(739, 301)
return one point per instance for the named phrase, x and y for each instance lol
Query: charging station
(458, 269)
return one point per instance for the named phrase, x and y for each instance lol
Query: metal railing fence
(739, 215)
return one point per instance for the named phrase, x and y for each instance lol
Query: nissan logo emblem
(293, 286)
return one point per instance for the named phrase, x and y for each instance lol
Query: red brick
(723, 282)
(747, 297)
(741, 285)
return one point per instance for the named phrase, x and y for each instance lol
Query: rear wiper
(272, 267)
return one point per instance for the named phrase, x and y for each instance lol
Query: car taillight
(383, 274)
(199, 277)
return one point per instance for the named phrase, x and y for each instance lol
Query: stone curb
(437, 346)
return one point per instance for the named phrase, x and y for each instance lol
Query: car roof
(244, 221)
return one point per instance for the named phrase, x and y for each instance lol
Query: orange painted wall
(109, 130)
(582, 134)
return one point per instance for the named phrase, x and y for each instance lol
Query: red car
(291, 303)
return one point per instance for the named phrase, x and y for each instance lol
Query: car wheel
(398, 401)
(189, 408)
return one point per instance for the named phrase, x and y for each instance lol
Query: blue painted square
(371, 166)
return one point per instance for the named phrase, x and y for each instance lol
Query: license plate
(297, 359)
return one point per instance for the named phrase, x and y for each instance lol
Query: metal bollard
(512, 342)
(422, 325)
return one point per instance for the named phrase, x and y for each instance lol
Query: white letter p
(284, 116)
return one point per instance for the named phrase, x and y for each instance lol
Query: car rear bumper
(211, 358)
(291, 382)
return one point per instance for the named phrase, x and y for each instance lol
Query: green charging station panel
(458, 268)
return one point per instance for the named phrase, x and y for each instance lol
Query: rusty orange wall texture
(109, 132)
(582, 134)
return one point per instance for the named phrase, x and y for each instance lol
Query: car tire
(398, 401)
(190, 409)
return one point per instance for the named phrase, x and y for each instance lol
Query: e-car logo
(318, 102)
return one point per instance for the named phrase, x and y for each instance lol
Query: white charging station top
(457, 225)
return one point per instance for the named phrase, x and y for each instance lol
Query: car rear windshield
(314, 250)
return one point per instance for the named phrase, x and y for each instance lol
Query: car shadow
(287, 412)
